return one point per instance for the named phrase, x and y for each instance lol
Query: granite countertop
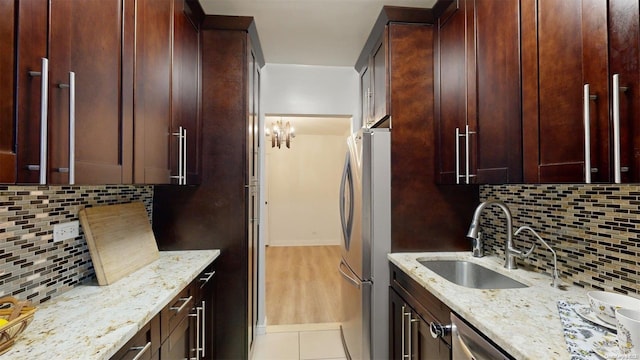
(524, 322)
(94, 322)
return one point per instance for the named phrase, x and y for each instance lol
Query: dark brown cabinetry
(187, 217)
(478, 93)
(177, 326)
(152, 94)
(374, 82)
(185, 97)
(408, 37)
(203, 326)
(412, 310)
(144, 345)
(566, 46)
(7, 119)
(81, 71)
(99, 88)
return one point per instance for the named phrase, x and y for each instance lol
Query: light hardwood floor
(303, 284)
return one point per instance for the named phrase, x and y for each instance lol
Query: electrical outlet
(68, 230)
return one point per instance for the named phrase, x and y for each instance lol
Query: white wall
(310, 90)
(303, 188)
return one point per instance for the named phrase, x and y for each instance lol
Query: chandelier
(280, 134)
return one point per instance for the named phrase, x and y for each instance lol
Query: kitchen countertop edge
(524, 322)
(94, 322)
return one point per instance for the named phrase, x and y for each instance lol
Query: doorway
(302, 234)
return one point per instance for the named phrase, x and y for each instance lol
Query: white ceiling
(310, 32)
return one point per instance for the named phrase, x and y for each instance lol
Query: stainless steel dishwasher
(469, 344)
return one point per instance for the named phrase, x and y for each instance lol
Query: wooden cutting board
(120, 239)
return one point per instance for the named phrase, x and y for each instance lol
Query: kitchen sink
(471, 275)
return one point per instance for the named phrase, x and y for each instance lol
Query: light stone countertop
(524, 322)
(94, 322)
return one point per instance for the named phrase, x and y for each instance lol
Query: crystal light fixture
(280, 133)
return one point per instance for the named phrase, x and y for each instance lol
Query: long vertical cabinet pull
(44, 104)
(587, 136)
(467, 135)
(72, 128)
(617, 169)
(182, 167)
(457, 155)
(203, 323)
(403, 334)
(184, 156)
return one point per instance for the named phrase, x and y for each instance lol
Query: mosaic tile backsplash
(32, 266)
(594, 229)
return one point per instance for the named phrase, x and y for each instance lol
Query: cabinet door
(86, 39)
(32, 47)
(494, 88)
(451, 100)
(185, 86)
(152, 111)
(365, 96)
(206, 300)
(7, 118)
(177, 346)
(396, 325)
(564, 48)
(379, 64)
(624, 42)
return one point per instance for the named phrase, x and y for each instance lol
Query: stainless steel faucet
(510, 252)
(555, 277)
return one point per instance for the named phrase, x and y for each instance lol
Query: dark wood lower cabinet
(412, 310)
(144, 345)
(178, 344)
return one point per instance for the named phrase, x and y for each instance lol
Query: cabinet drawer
(177, 309)
(145, 343)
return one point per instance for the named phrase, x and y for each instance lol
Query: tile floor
(300, 342)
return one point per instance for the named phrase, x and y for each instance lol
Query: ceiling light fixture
(280, 133)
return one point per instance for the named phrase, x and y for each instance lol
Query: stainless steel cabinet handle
(72, 128)
(457, 155)
(44, 104)
(184, 155)
(141, 350)
(617, 168)
(467, 136)
(185, 302)
(204, 328)
(197, 349)
(403, 335)
(206, 279)
(180, 176)
(587, 135)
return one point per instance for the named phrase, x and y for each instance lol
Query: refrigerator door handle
(355, 282)
(346, 223)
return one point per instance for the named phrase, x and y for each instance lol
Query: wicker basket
(19, 314)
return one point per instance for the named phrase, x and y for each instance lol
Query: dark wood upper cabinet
(152, 94)
(82, 42)
(567, 45)
(7, 117)
(185, 97)
(478, 93)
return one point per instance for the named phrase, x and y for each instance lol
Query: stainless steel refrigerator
(365, 213)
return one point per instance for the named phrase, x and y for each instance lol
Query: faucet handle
(476, 245)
